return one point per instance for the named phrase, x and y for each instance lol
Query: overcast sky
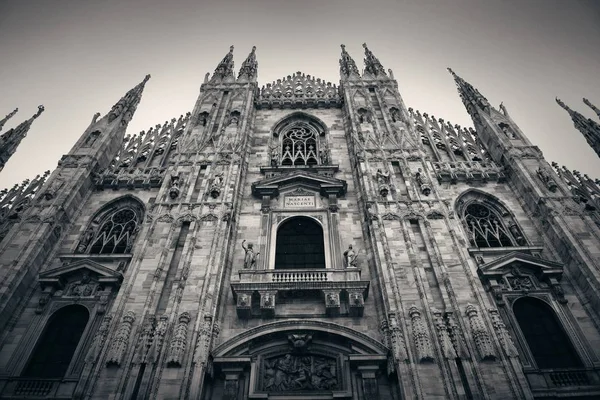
(78, 57)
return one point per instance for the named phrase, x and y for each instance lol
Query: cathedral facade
(301, 240)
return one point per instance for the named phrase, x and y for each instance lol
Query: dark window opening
(55, 349)
(547, 341)
(300, 245)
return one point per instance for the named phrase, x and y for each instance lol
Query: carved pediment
(517, 261)
(301, 179)
(59, 276)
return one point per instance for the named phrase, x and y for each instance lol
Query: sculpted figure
(350, 257)
(274, 156)
(250, 257)
(382, 177)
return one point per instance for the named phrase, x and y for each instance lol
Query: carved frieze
(303, 372)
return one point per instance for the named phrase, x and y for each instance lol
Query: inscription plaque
(299, 202)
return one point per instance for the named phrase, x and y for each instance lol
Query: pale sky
(79, 57)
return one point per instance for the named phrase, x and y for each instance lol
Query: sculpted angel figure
(250, 257)
(382, 177)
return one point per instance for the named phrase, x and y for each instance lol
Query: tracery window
(57, 345)
(114, 230)
(299, 145)
(545, 337)
(300, 245)
(488, 226)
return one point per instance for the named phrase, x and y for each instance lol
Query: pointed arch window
(489, 225)
(545, 337)
(299, 145)
(300, 245)
(58, 343)
(114, 230)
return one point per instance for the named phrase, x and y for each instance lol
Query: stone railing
(468, 171)
(564, 378)
(36, 388)
(300, 275)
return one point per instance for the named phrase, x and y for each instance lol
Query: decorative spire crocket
(372, 65)
(469, 95)
(593, 107)
(8, 116)
(11, 139)
(587, 126)
(225, 67)
(347, 65)
(127, 105)
(249, 68)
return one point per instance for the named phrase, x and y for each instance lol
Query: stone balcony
(550, 383)
(258, 291)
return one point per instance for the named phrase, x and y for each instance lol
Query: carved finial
(8, 116)
(347, 65)
(39, 111)
(372, 65)
(225, 67)
(249, 67)
(563, 105)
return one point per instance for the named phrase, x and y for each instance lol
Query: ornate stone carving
(99, 339)
(203, 341)
(547, 179)
(443, 336)
(291, 373)
(85, 287)
(396, 337)
(383, 181)
(299, 341)
(458, 341)
(420, 336)
(356, 303)
(250, 257)
(332, 303)
(350, 258)
(503, 336)
(216, 185)
(481, 336)
(179, 341)
(146, 339)
(423, 183)
(121, 340)
(267, 303)
(174, 189)
(298, 91)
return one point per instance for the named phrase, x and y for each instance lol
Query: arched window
(114, 230)
(487, 223)
(547, 341)
(300, 245)
(56, 347)
(299, 144)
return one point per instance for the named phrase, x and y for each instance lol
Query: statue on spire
(8, 116)
(225, 67)
(593, 107)
(249, 68)
(347, 65)
(372, 64)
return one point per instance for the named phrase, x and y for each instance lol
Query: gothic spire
(127, 105)
(225, 67)
(347, 65)
(10, 140)
(587, 126)
(249, 68)
(8, 116)
(469, 95)
(372, 65)
(593, 107)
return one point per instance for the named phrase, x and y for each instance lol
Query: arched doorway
(547, 340)
(56, 347)
(300, 244)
